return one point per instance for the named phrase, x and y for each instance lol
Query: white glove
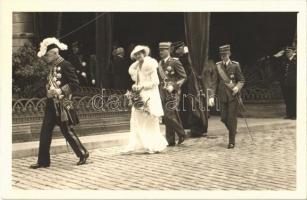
(280, 53)
(58, 91)
(211, 101)
(93, 81)
(83, 74)
(54, 92)
(235, 90)
(136, 87)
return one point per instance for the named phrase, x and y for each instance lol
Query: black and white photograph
(154, 103)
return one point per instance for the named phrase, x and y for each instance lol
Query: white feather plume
(48, 41)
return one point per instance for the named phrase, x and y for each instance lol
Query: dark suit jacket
(233, 71)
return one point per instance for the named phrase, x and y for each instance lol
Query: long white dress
(145, 134)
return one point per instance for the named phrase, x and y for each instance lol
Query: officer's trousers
(173, 124)
(49, 122)
(229, 111)
(289, 93)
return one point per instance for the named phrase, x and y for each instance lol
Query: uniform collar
(227, 63)
(57, 61)
(166, 59)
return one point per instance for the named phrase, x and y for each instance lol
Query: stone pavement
(216, 127)
(198, 164)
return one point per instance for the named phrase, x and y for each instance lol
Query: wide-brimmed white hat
(139, 48)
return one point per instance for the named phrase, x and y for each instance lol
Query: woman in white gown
(145, 134)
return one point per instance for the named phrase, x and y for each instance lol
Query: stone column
(23, 29)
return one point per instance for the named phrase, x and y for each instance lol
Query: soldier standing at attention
(62, 83)
(288, 81)
(172, 75)
(228, 85)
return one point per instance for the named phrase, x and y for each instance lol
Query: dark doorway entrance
(147, 28)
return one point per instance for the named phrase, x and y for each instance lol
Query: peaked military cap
(224, 49)
(165, 45)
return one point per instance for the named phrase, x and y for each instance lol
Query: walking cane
(242, 109)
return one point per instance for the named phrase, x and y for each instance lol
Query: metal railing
(102, 103)
(108, 102)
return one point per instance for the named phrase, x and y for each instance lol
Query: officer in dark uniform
(62, 83)
(229, 82)
(182, 54)
(288, 81)
(189, 118)
(81, 64)
(172, 75)
(120, 66)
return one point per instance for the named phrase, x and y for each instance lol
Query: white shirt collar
(165, 59)
(227, 63)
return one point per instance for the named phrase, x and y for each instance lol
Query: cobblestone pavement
(198, 164)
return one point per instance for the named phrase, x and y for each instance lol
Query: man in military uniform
(288, 81)
(229, 82)
(81, 64)
(62, 83)
(172, 75)
(182, 54)
(189, 118)
(120, 66)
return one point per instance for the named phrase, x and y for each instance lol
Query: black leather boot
(37, 165)
(181, 139)
(231, 146)
(83, 158)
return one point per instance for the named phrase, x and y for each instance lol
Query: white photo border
(7, 7)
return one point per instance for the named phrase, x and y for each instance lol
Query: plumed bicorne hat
(50, 43)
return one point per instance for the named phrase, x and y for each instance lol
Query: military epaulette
(175, 58)
(235, 62)
(218, 63)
